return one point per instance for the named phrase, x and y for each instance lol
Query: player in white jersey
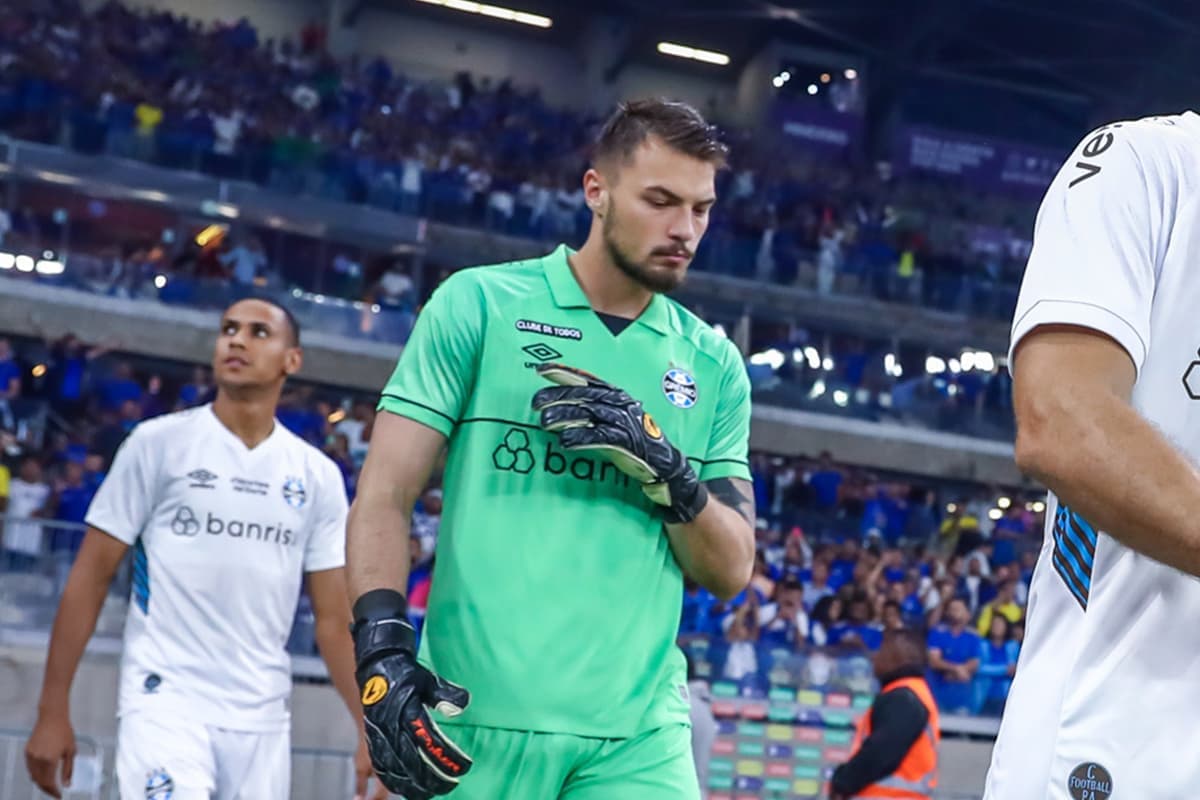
(226, 511)
(1107, 395)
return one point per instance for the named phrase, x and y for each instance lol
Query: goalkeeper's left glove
(591, 414)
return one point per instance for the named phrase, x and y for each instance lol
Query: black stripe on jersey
(1067, 574)
(412, 402)
(1082, 536)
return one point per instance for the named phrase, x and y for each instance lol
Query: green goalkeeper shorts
(523, 765)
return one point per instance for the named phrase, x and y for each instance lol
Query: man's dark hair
(292, 322)
(678, 125)
(909, 645)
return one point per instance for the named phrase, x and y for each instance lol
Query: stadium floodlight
(995, 514)
(841, 398)
(826, 77)
(935, 365)
(719, 330)
(827, 364)
(955, 367)
(851, 74)
(7, 260)
(777, 82)
(49, 266)
(951, 508)
(38, 370)
(1039, 507)
(25, 263)
(968, 361)
(770, 358)
(160, 281)
(495, 12)
(818, 389)
(1004, 502)
(694, 53)
(985, 361)
(814, 358)
(812, 88)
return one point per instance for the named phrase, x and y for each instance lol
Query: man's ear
(595, 191)
(293, 361)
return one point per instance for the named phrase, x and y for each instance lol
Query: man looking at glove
(597, 453)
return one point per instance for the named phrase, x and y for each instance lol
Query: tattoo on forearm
(736, 494)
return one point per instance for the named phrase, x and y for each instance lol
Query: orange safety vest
(917, 776)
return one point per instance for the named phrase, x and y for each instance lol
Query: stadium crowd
(843, 552)
(287, 114)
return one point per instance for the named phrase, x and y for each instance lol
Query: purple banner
(812, 125)
(990, 164)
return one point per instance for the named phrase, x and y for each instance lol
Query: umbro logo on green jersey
(541, 351)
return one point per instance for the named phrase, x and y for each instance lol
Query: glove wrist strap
(381, 626)
(688, 506)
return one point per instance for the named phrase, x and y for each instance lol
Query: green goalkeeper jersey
(555, 596)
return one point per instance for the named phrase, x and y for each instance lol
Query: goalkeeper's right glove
(410, 754)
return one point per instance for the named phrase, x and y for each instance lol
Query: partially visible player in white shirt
(226, 511)
(1107, 397)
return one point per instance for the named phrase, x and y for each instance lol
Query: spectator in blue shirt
(997, 665)
(783, 623)
(73, 495)
(10, 373)
(817, 585)
(120, 388)
(197, 390)
(841, 570)
(698, 607)
(858, 632)
(826, 483)
(954, 659)
(1008, 530)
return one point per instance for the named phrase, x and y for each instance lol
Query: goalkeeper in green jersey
(597, 436)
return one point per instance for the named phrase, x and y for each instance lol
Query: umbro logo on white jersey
(202, 479)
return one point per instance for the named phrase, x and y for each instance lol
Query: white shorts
(168, 759)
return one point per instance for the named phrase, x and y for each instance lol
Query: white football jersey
(1111, 661)
(221, 538)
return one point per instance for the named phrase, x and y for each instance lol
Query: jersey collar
(567, 292)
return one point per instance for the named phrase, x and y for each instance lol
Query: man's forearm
(1101, 458)
(337, 650)
(717, 548)
(74, 624)
(377, 547)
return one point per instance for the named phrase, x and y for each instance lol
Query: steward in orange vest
(895, 746)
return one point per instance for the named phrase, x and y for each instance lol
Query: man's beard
(641, 274)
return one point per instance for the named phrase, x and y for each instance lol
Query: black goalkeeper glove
(410, 754)
(591, 414)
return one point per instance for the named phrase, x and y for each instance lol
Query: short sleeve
(434, 377)
(729, 442)
(326, 548)
(125, 500)
(1096, 245)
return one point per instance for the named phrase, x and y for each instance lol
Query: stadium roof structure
(1103, 59)
(1124, 50)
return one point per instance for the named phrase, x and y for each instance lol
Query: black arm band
(379, 604)
(381, 626)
